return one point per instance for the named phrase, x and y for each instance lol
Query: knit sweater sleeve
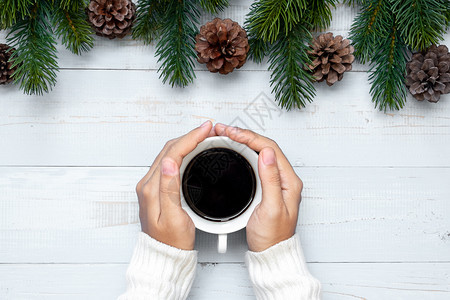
(280, 273)
(159, 272)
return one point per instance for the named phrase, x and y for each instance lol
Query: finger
(269, 174)
(155, 166)
(186, 143)
(169, 186)
(212, 132)
(149, 206)
(256, 142)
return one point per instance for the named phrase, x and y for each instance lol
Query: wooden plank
(117, 118)
(90, 215)
(228, 281)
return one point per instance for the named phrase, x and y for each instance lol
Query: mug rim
(239, 222)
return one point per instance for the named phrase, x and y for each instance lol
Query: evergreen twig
(35, 50)
(388, 69)
(353, 2)
(367, 27)
(421, 23)
(268, 19)
(214, 6)
(73, 29)
(12, 11)
(175, 49)
(258, 49)
(148, 21)
(319, 13)
(377, 39)
(292, 84)
(71, 5)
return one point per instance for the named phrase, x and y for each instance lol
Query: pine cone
(6, 69)
(331, 57)
(222, 45)
(111, 18)
(428, 74)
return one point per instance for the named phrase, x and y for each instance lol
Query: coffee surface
(219, 184)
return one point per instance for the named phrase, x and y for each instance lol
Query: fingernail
(268, 157)
(168, 167)
(205, 124)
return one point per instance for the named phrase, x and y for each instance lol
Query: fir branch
(214, 6)
(291, 82)
(175, 49)
(388, 88)
(73, 29)
(353, 2)
(258, 49)
(268, 19)
(71, 5)
(319, 13)
(36, 50)
(367, 26)
(149, 15)
(447, 14)
(12, 11)
(421, 23)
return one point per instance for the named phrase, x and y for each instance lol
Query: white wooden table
(375, 216)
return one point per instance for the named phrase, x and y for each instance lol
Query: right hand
(275, 218)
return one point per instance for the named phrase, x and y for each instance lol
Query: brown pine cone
(222, 45)
(331, 57)
(111, 18)
(428, 74)
(6, 69)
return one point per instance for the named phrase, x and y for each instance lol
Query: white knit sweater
(161, 272)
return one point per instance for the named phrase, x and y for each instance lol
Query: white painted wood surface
(375, 215)
(229, 281)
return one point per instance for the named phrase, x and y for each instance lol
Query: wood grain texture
(114, 118)
(229, 281)
(90, 215)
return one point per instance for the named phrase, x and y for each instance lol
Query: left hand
(158, 192)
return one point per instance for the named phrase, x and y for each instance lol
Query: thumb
(270, 178)
(169, 185)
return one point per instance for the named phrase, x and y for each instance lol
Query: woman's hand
(275, 218)
(158, 192)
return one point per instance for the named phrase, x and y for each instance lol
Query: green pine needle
(268, 19)
(214, 6)
(388, 69)
(72, 5)
(353, 2)
(258, 49)
(148, 20)
(367, 26)
(13, 10)
(74, 30)
(421, 23)
(292, 84)
(36, 50)
(175, 49)
(319, 13)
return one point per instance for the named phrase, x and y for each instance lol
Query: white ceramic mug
(224, 227)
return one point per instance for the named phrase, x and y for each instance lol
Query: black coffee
(219, 184)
